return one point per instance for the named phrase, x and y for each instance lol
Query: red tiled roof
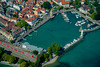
(3, 21)
(5, 31)
(65, 2)
(14, 18)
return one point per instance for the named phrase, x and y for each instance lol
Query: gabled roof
(65, 2)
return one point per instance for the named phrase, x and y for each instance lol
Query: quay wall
(90, 30)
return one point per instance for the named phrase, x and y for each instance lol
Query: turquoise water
(84, 54)
(2, 65)
(55, 30)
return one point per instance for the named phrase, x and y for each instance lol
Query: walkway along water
(66, 47)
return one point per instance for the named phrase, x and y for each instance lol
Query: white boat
(79, 24)
(78, 21)
(35, 31)
(65, 17)
(76, 24)
(83, 23)
(83, 20)
(77, 16)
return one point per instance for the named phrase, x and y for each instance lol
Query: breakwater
(67, 46)
(90, 30)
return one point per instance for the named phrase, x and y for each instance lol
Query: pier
(90, 30)
(87, 18)
(74, 41)
(45, 19)
(67, 46)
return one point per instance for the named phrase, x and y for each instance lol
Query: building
(31, 20)
(26, 45)
(17, 7)
(63, 3)
(10, 31)
(82, 2)
(84, 9)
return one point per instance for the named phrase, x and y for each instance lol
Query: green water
(2, 65)
(84, 54)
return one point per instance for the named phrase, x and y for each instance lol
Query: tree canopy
(55, 48)
(46, 5)
(1, 50)
(12, 59)
(96, 3)
(98, 9)
(22, 23)
(23, 64)
(35, 52)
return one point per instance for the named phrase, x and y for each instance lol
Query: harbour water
(2, 65)
(84, 54)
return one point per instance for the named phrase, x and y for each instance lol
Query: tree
(93, 15)
(11, 41)
(74, 3)
(96, 3)
(98, 9)
(15, 16)
(23, 64)
(49, 50)
(22, 23)
(12, 59)
(86, 2)
(5, 57)
(20, 61)
(46, 5)
(35, 52)
(1, 50)
(46, 55)
(50, 56)
(91, 10)
(55, 48)
(28, 27)
(46, 59)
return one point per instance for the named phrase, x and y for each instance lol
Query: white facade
(83, 11)
(66, 5)
(4, 0)
(60, 3)
(30, 23)
(17, 7)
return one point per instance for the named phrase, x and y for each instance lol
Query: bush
(46, 5)
(11, 41)
(35, 52)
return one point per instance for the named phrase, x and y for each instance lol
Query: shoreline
(7, 63)
(52, 61)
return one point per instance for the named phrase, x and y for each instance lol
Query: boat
(83, 23)
(88, 25)
(77, 16)
(35, 31)
(76, 24)
(65, 17)
(30, 35)
(24, 39)
(79, 24)
(78, 21)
